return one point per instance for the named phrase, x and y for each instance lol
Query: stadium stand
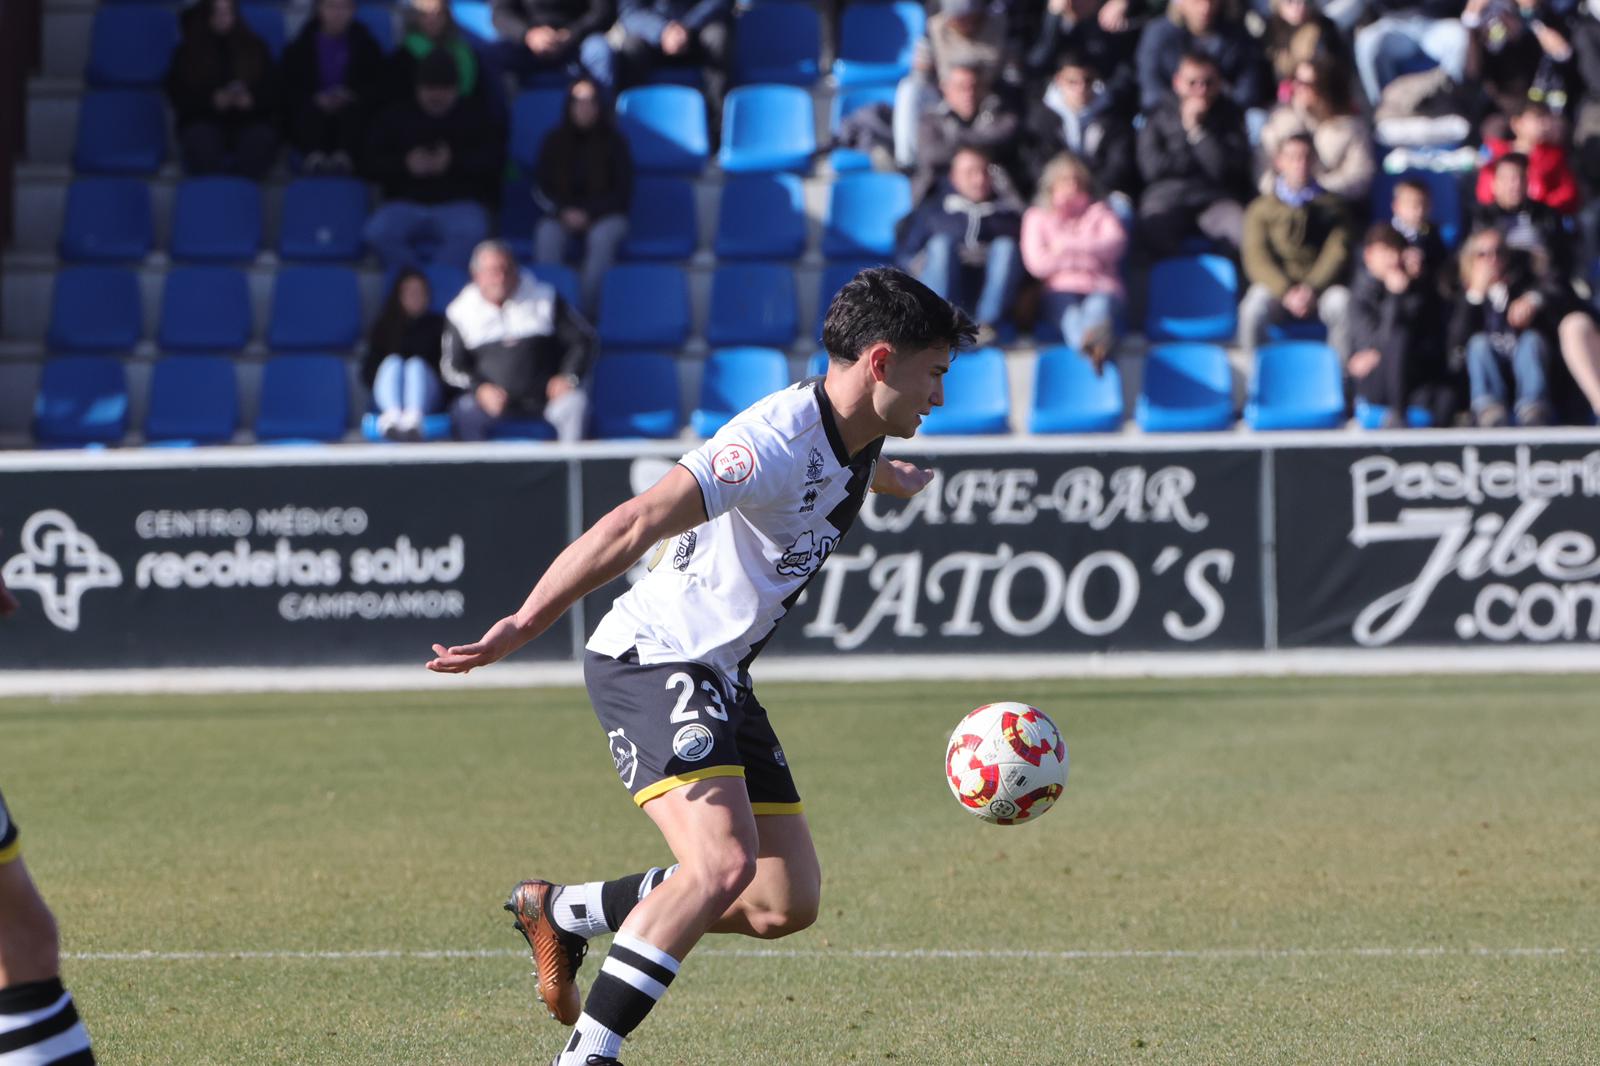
(216, 220)
(205, 309)
(1187, 388)
(322, 219)
(778, 44)
(1296, 385)
(95, 309)
(193, 401)
(977, 399)
(752, 304)
(635, 395)
(1070, 397)
(666, 128)
(662, 223)
(304, 399)
(644, 305)
(767, 128)
(83, 399)
(108, 220)
(734, 379)
(761, 216)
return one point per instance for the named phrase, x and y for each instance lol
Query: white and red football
(1006, 763)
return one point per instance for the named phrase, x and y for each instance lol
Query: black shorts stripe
(77, 1058)
(650, 969)
(38, 1032)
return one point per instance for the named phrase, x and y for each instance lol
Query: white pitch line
(1202, 954)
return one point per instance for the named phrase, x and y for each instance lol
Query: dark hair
(1385, 234)
(1078, 61)
(1537, 107)
(1516, 159)
(1333, 83)
(1415, 184)
(974, 149)
(1198, 59)
(882, 304)
(391, 321)
(1300, 137)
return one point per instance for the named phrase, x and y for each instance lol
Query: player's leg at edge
(736, 873)
(38, 1020)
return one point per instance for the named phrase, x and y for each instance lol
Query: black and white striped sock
(597, 907)
(39, 1026)
(634, 975)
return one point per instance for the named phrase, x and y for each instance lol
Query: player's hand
(902, 479)
(502, 639)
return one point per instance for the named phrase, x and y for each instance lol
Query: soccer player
(742, 524)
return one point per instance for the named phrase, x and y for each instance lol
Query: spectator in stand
(224, 91)
(1495, 328)
(402, 361)
(1194, 159)
(1537, 134)
(1536, 240)
(515, 349)
(1299, 32)
(1514, 55)
(1200, 27)
(965, 236)
(1424, 256)
(429, 27)
(332, 77)
(438, 158)
(1296, 248)
(1584, 28)
(1406, 33)
(680, 33)
(965, 33)
(1076, 114)
(1396, 333)
(1074, 32)
(566, 36)
(585, 183)
(1321, 108)
(1074, 244)
(968, 115)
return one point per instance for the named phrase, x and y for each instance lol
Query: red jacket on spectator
(1550, 178)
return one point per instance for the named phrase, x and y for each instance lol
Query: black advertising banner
(1473, 544)
(273, 565)
(1020, 552)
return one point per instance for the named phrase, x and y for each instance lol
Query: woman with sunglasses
(1321, 106)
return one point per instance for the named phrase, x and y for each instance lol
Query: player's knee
(723, 875)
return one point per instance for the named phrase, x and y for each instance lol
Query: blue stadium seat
(1297, 329)
(205, 309)
(863, 210)
(767, 128)
(635, 395)
(192, 401)
(845, 101)
(445, 282)
(977, 396)
(95, 309)
(131, 46)
(267, 20)
(666, 128)
(1296, 385)
(1193, 298)
(216, 220)
(523, 429)
(1370, 416)
(733, 379)
(82, 399)
(834, 277)
(817, 365)
(323, 219)
(121, 131)
(752, 303)
(762, 216)
(876, 42)
(379, 20)
(778, 44)
(1445, 206)
(303, 398)
(107, 220)
(1187, 387)
(475, 19)
(314, 308)
(435, 427)
(518, 215)
(1069, 397)
(564, 280)
(662, 222)
(644, 305)
(534, 113)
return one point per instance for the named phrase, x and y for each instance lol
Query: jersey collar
(830, 425)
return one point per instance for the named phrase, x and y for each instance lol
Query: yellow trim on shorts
(10, 851)
(778, 808)
(667, 784)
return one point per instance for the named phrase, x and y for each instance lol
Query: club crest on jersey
(625, 754)
(805, 554)
(814, 466)
(808, 502)
(693, 743)
(733, 463)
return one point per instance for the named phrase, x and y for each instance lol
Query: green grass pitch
(1263, 871)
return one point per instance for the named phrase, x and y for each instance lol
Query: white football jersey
(779, 492)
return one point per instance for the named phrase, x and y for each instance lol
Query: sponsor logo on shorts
(693, 743)
(733, 463)
(625, 754)
(777, 757)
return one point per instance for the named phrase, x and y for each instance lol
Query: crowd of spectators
(1135, 129)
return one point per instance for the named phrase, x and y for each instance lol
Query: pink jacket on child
(1074, 251)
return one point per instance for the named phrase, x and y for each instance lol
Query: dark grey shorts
(671, 724)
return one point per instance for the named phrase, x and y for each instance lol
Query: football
(1006, 763)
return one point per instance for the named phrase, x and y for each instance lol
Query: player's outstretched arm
(895, 477)
(601, 555)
